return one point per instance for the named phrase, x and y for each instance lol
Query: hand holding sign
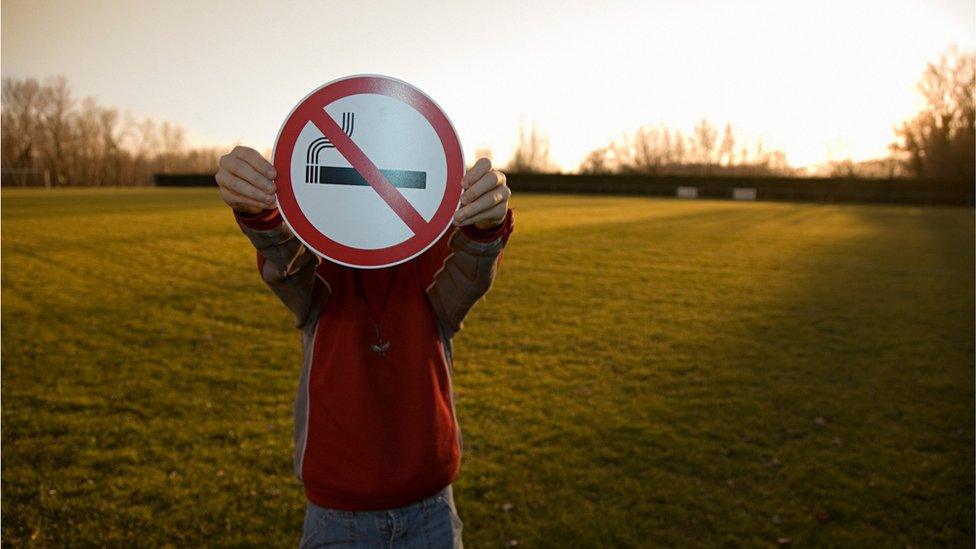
(485, 197)
(245, 180)
(367, 173)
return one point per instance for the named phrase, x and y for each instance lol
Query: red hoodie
(376, 430)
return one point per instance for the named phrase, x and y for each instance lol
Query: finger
(245, 171)
(233, 183)
(485, 202)
(496, 213)
(241, 202)
(479, 169)
(256, 160)
(488, 182)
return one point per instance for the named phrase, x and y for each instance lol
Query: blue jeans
(431, 523)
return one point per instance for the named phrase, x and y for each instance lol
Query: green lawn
(644, 372)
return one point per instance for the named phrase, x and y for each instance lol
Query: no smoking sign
(369, 171)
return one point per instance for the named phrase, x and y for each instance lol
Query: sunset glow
(819, 80)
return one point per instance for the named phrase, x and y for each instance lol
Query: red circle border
(295, 217)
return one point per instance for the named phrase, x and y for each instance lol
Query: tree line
(49, 136)
(939, 142)
(658, 150)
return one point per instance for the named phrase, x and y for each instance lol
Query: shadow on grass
(730, 375)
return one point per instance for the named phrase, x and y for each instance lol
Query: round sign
(369, 171)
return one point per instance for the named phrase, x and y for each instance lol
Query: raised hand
(246, 180)
(485, 197)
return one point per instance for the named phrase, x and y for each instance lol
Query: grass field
(644, 373)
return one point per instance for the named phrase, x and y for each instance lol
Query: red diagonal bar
(351, 151)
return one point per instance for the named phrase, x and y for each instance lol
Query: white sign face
(355, 215)
(372, 171)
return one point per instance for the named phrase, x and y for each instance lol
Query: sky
(818, 80)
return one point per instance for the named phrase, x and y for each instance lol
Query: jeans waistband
(444, 494)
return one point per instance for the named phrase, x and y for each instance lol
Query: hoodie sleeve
(285, 264)
(462, 271)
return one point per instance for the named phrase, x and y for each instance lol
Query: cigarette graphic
(331, 175)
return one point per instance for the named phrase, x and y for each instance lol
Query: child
(377, 444)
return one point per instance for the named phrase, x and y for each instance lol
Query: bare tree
(846, 168)
(651, 150)
(667, 149)
(83, 143)
(648, 150)
(888, 168)
(173, 143)
(111, 136)
(79, 156)
(56, 105)
(659, 150)
(599, 162)
(680, 149)
(21, 122)
(531, 154)
(727, 149)
(939, 142)
(705, 136)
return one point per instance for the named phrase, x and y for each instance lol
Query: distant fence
(807, 189)
(184, 180)
(25, 177)
(812, 189)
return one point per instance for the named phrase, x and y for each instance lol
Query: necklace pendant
(380, 347)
